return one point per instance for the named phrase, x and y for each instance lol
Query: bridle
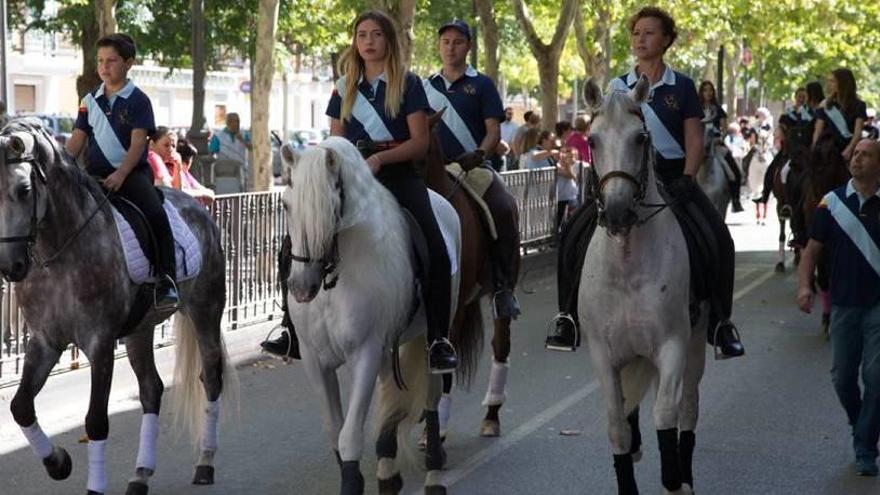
(640, 182)
(38, 174)
(329, 264)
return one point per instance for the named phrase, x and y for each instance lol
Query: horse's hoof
(204, 475)
(780, 267)
(391, 486)
(137, 488)
(489, 428)
(435, 490)
(58, 465)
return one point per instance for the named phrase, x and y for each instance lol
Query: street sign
(245, 86)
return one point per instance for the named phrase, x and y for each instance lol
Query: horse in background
(635, 298)
(788, 177)
(476, 283)
(713, 176)
(353, 297)
(827, 170)
(60, 245)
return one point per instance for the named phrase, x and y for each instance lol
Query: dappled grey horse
(59, 244)
(714, 176)
(635, 295)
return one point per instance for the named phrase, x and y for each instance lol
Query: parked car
(61, 126)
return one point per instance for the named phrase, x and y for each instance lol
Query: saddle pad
(187, 251)
(476, 183)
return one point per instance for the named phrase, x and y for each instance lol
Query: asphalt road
(769, 423)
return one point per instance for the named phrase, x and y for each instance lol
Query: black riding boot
(286, 344)
(735, 183)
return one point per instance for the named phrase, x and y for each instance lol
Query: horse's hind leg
(38, 362)
(496, 392)
(140, 355)
(690, 402)
(435, 456)
(780, 266)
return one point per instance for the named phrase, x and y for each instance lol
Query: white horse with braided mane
(635, 293)
(352, 299)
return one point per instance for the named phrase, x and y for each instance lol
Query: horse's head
(622, 156)
(317, 181)
(25, 149)
(796, 142)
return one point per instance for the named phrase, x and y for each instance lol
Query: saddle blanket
(187, 251)
(476, 183)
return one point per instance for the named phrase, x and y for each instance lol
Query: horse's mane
(619, 103)
(62, 173)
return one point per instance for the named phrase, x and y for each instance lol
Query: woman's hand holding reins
(115, 180)
(375, 163)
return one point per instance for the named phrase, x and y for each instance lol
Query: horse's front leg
(100, 356)
(366, 363)
(690, 402)
(435, 456)
(670, 364)
(496, 391)
(38, 362)
(619, 432)
(326, 385)
(140, 355)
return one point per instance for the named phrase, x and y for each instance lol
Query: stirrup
(286, 357)
(442, 371)
(166, 307)
(551, 326)
(720, 356)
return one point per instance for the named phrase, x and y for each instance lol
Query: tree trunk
(261, 91)
(733, 61)
(89, 80)
(547, 55)
(490, 38)
(105, 13)
(403, 12)
(597, 63)
(709, 69)
(199, 67)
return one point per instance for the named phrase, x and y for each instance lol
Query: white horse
(714, 175)
(352, 296)
(635, 294)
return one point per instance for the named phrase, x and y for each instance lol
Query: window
(25, 98)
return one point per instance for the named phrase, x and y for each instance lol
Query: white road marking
(755, 283)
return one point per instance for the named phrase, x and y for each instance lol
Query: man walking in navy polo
(848, 222)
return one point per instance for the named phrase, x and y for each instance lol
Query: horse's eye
(22, 191)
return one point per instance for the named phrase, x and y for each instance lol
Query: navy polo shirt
(413, 101)
(475, 99)
(859, 112)
(853, 281)
(720, 115)
(129, 109)
(673, 99)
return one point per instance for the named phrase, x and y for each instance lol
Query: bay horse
(352, 296)
(827, 170)
(476, 283)
(59, 244)
(793, 156)
(635, 295)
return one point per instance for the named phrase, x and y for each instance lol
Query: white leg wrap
(444, 412)
(496, 394)
(40, 443)
(209, 430)
(434, 478)
(147, 449)
(97, 477)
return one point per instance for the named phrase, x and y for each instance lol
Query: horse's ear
(435, 117)
(289, 157)
(641, 91)
(592, 94)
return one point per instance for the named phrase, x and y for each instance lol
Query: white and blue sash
(854, 229)
(366, 114)
(661, 138)
(438, 101)
(839, 122)
(103, 132)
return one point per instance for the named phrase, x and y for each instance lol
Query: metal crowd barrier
(251, 228)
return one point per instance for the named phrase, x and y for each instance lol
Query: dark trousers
(138, 188)
(561, 208)
(412, 193)
(577, 232)
(503, 208)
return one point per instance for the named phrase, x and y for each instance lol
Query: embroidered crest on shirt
(469, 89)
(672, 102)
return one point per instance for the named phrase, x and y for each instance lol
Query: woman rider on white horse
(672, 116)
(382, 108)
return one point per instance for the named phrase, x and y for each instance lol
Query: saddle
(139, 243)
(476, 182)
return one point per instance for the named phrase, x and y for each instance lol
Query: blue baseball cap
(458, 25)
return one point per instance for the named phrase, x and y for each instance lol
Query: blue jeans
(855, 343)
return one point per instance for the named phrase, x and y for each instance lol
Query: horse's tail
(468, 342)
(189, 398)
(635, 379)
(402, 407)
